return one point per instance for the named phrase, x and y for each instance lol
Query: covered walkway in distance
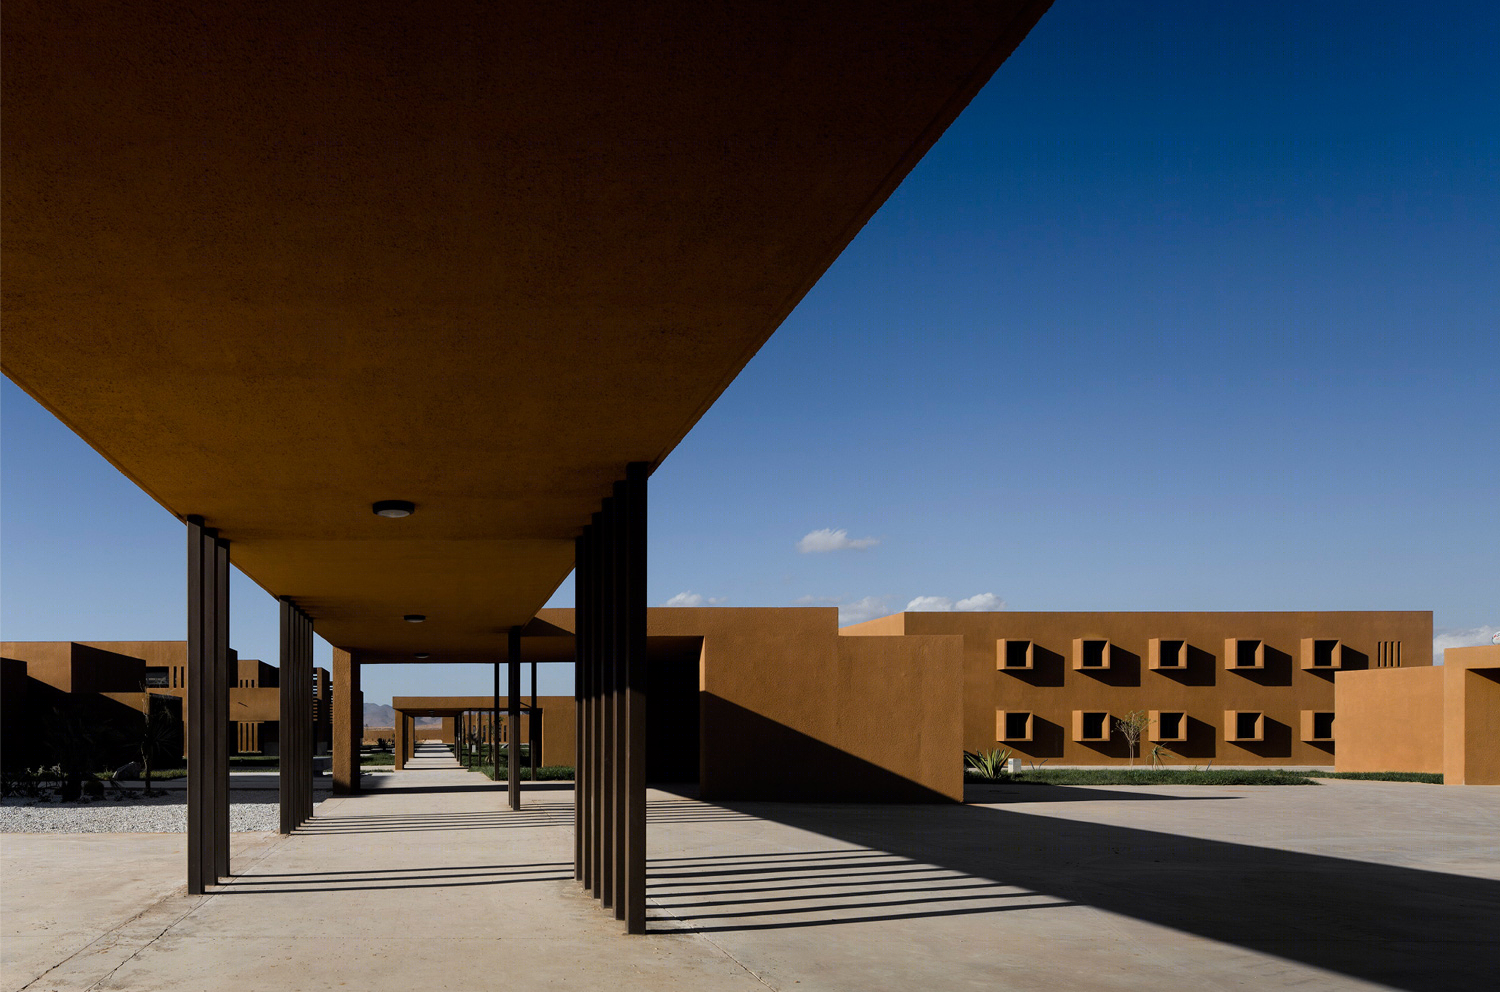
(400, 305)
(430, 757)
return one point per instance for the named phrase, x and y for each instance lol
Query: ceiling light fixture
(414, 617)
(394, 508)
(422, 654)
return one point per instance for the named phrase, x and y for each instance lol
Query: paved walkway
(428, 881)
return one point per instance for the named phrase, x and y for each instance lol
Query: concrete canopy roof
(278, 261)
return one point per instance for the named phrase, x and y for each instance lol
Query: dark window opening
(1322, 726)
(1094, 726)
(1016, 725)
(1093, 654)
(1244, 725)
(157, 678)
(1169, 726)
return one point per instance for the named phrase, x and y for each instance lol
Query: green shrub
(546, 773)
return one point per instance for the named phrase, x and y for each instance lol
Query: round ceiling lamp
(394, 508)
(414, 617)
(421, 655)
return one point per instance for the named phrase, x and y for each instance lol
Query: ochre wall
(792, 710)
(1390, 720)
(1471, 716)
(72, 666)
(1053, 690)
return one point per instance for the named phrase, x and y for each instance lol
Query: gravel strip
(257, 811)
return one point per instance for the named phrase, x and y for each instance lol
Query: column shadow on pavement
(1412, 929)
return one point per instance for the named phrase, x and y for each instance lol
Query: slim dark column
(618, 644)
(633, 606)
(299, 718)
(583, 779)
(199, 704)
(596, 710)
(607, 777)
(513, 723)
(494, 725)
(533, 727)
(309, 735)
(287, 698)
(303, 691)
(226, 670)
(580, 648)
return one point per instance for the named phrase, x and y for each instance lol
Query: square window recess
(1167, 653)
(1014, 655)
(1244, 652)
(1244, 725)
(1090, 725)
(1322, 654)
(1168, 725)
(1090, 654)
(1317, 725)
(1012, 725)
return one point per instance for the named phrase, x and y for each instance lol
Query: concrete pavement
(429, 881)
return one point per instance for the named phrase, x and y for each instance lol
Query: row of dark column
(208, 680)
(296, 717)
(211, 672)
(513, 716)
(610, 689)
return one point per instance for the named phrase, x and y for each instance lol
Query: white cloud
(1470, 637)
(863, 609)
(984, 602)
(693, 599)
(820, 541)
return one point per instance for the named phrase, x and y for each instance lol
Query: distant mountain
(377, 715)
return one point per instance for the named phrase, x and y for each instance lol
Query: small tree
(158, 731)
(1131, 726)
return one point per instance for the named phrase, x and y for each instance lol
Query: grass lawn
(1150, 776)
(1191, 776)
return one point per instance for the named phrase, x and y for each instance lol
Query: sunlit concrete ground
(431, 882)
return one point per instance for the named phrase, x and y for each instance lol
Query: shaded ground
(431, 881)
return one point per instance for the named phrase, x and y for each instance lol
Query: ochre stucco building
(112, 679)
(1444, 719)
(780, 703)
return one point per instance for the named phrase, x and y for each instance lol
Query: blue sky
(1194, 308)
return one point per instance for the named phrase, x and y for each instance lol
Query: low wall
(790, 710)
(1389, 720)
(1471, 717)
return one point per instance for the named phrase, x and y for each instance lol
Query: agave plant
(988, 765)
